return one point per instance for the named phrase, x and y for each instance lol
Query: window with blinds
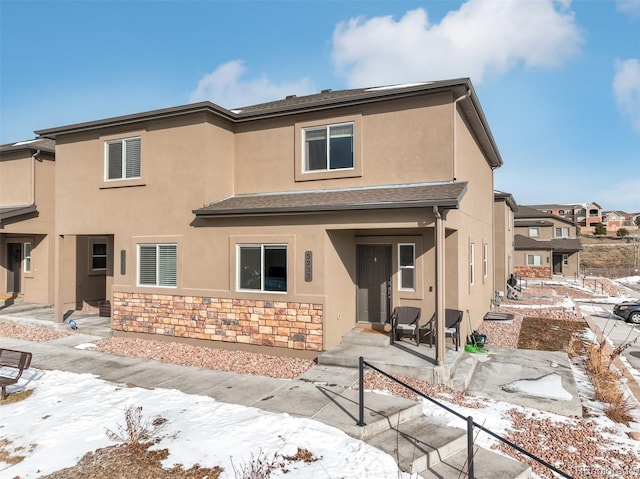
(329, 147)
(157, 265)
(123, 159)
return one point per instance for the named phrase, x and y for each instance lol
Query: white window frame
(533, 229)
(485, 260)
(402, 268)
(562, 230)
(27, 248)
(565, 259)
(124, 142)
(327, 129)
(263, 247)
(472, 263)
(531, 260)
(158, 272)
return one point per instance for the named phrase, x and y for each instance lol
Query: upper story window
(594, 212)
(533, 232)
(407, 267)
(122, 159)
(329, 147)
(562, 232)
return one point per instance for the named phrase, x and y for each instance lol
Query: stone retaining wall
(290, 325)
(533, 271)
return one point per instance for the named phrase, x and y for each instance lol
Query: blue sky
(559, 81)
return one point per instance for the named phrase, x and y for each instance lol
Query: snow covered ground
(68, 414)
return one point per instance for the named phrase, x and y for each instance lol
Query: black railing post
(470, 447)
(361, 393)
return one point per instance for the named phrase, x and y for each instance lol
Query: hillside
(609, 256)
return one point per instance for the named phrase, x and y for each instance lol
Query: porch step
(392, 360)
(419, 444)
(18, 307)
(486, 465)
(436, 451)
(462, 374)
(366, 337)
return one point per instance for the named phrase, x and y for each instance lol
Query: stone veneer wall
(266, 323)
(533, 271)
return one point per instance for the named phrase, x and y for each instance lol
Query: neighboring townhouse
(585, 215)
(614, 220)
(27, 201)
(281, 225)
(545, 244)
(504, 209)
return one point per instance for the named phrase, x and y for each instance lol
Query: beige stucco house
(545, 244)
(27, 210)
(504, 208)
(281, 225)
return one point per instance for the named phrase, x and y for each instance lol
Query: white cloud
(483, 37)
(225, 87)
(631, 7)
(626, 89)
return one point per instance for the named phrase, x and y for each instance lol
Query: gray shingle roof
(16, 210)
(446, 195)
(560, 245)
(44, 144)
(327, 100)
(527, 213)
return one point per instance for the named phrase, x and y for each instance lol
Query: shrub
(137, 433)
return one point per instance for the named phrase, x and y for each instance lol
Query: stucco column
(440, 246)
(58, 279)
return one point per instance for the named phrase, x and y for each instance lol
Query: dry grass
(8, 456)
(599, 364)
(17, 396)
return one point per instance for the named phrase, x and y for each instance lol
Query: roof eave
(18, 211)
(446, 204)
(125, 120)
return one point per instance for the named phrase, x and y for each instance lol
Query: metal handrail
(470, 423)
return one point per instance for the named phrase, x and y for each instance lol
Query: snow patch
(548, 387)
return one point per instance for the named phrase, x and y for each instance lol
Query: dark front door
(374, 283)
(14, 263)
(557, 263)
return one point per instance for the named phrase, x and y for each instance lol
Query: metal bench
(12, 365)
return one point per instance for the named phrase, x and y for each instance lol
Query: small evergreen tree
(637, 220)
(623, 232)
(601, 230)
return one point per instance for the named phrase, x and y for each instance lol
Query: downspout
(455, 136)
(439, 242)
(34, 158)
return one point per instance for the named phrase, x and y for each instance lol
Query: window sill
(328, 175)
(122, 183)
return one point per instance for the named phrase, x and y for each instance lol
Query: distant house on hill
(545, 244)
(585, 215)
